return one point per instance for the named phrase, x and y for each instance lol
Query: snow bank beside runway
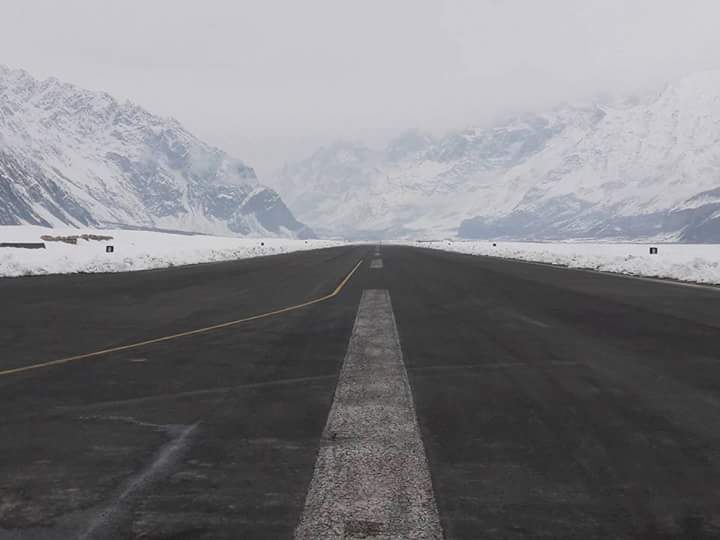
(698, 263)
(133, 250)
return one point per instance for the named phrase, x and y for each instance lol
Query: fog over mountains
(626, 171)
(69, 156)
(646, 169)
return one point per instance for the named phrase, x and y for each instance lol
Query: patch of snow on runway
(134, 250)
(698, 263)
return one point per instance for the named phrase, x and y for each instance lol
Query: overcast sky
(269, 80)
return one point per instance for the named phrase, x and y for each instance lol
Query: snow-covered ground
(686, 262)
(144, 250)
(134, 250)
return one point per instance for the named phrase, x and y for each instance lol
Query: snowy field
(134, 250)
(144, 250)
(685, 262)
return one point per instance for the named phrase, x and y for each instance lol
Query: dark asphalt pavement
(552, 403)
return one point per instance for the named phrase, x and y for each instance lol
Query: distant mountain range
(69, 156)
(650, 169)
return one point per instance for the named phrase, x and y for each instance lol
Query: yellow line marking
(95, 354)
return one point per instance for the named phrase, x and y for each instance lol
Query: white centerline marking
(371, 476)
(376, 264)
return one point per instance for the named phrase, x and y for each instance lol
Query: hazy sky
(269, 80)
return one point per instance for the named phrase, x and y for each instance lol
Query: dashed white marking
(371, 477)
(376, 264)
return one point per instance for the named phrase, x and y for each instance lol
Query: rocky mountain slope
(69, 156)
(647, 169)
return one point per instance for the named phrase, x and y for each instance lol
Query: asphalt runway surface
(534, 402)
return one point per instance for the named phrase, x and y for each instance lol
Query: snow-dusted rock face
(650, 169)
(69, 156)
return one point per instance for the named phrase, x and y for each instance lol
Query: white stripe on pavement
(371, 477)
(376, 264)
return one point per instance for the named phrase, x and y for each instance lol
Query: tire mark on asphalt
(111, 518)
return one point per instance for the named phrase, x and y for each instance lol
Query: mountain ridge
(646, 169)
(70, 156)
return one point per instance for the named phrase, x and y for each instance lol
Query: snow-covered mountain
(69, 156)
(647, 169)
